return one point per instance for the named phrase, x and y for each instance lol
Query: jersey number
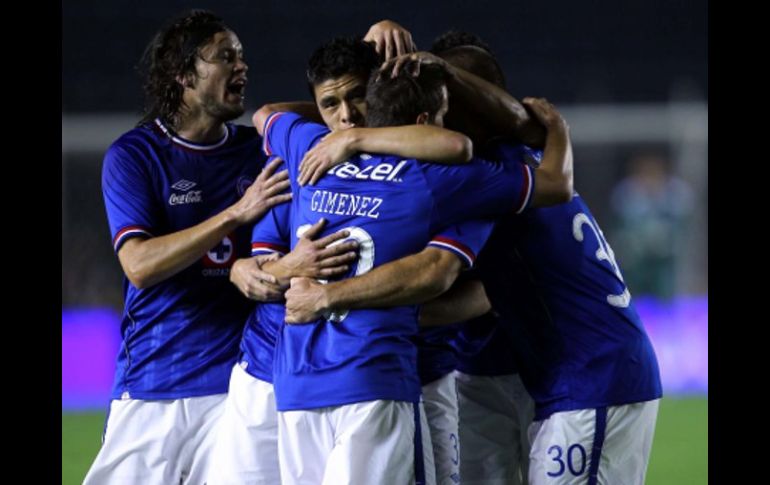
(603, 253)
(363, 264)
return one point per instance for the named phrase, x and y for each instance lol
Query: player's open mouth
(237, 87)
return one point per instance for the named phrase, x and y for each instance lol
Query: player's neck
(200, 129)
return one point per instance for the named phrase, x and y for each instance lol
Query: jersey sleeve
(289, 136)
(506, 151)
(465, 240)
(480, 189)
(128, 196)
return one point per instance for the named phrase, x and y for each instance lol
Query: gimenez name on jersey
(346, 204)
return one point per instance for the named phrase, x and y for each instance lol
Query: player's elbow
(441, 272)
(462, 148)
(552, 190)
(138, 277)
(260, 116)
(562, 193)
(136, 265)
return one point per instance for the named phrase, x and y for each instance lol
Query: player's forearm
(464, 301)
(150, 261)
(503, 114)
(554, 176)
(283, 273)
(410, 280)
(424, 142)
(306, 109)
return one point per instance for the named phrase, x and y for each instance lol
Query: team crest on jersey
(243, 184)
(218, 260)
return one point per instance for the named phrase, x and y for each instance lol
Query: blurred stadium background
(630, 77)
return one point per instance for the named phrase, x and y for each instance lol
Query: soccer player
(567, 318)
(494, 407)
(246, 450)
(180, 191)
(354, 371)
(436, 359)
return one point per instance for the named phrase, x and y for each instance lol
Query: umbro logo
(183, 185)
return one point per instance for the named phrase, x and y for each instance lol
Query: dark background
(569, 51)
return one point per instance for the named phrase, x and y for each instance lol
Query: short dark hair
(399, 100)
(469, 52)
(456, 38)
(339, 57)
(172, 53)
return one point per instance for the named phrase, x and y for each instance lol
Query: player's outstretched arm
(423, 142)
(252, 281)
(554, 176)
(464, 300)
(152, 260)
(324, 257)
(410, 280)
(500, 112)
(306, 109)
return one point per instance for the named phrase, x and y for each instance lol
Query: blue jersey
(392, 207)
(180, 336)
(436, 356)
(482, 345)
(270, 235)
(553, 279)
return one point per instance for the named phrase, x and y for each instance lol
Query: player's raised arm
(464, 301)
(423, 142)
(479, 100)
(554, 176)
(390, 39)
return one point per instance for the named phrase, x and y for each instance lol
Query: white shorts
(440, 400)
(565, 446)
(495, 413)
(157, 442)
(246, 443)
(362, 443)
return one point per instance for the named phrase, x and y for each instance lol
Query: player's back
(553, 276)
(392, 207)
(361, 354)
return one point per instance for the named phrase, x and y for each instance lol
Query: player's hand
(332, 150)
(305, 301)
(322, 258)
(546, 113)
(254, 283)
(266, 192)
(410, 63)
(390, 39)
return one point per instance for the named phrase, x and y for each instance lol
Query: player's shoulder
(143, 135)
(243, 134)
(503, 149)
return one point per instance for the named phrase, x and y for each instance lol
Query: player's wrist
(279, 270)
(326, 300)
(234, 217)
(354, 139)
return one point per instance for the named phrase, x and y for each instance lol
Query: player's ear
(423, 118)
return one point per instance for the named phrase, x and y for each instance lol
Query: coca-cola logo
(191, 197)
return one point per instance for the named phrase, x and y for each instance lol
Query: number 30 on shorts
(573, 460)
